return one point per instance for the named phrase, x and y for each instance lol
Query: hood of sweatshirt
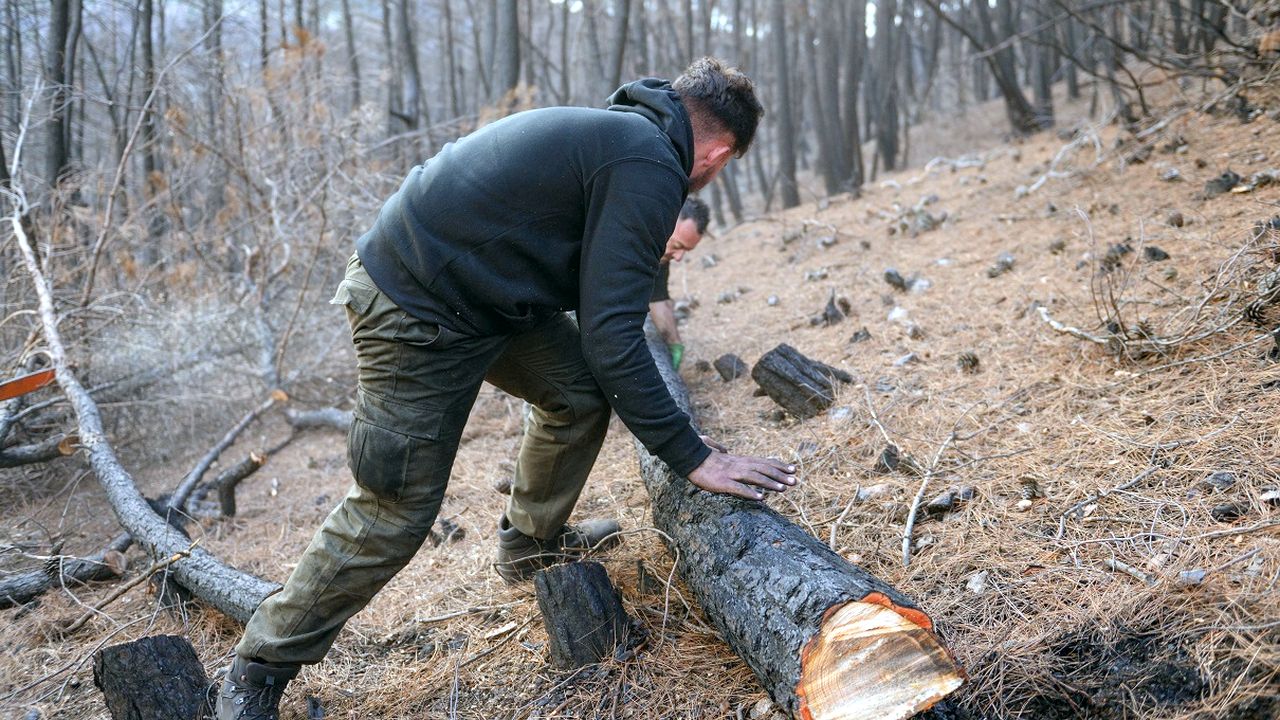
(655, 100)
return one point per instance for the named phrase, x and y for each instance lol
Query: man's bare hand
(742, 475)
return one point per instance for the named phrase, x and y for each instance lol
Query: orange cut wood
(871, 661)
(25, 384)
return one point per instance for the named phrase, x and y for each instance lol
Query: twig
(460, 613)
(1074, 332)
(1130, 571)
(875, 420)
(488, 651)
(142, 577)
(831, 541)
(915, 504)
(179, 497)
(1062, 519)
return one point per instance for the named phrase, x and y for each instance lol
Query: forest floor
(1158, 600)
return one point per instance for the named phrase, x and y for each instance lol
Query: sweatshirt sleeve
(632, 208)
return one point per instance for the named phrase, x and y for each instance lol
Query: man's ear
(718, 152)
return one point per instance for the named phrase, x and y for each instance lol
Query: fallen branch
(323, 418)
(229, 590)
(18, 455)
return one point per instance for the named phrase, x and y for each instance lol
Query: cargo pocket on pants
(383, 461)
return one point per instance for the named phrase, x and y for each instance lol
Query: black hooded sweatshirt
(545, 211)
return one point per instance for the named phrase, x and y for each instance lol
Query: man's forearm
(664, 321)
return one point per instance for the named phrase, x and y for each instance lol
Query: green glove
(677, 354)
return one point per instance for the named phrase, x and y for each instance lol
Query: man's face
(682, 240)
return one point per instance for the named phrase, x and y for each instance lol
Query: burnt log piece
(825, 638)
(730, 367)
(803, 387)
(583, 613)
(154, 678)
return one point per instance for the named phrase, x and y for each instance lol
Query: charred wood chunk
(155, 678)
(583, 613)
(803, 387)
(730, 367)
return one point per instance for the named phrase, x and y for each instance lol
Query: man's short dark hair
(720, 99)
(696, 210)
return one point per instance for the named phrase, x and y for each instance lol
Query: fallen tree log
(826, 639)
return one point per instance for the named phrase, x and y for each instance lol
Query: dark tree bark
(582, 612)
(826, 81)
(1044, 63)
(855, 43)
(1071, 32)
(776, 594)
(786, 140)
(58, 153)
(884, 88)
(802, 386)
(154, 678)
(13, 63)
(411, 111)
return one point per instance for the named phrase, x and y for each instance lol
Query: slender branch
(142, 577)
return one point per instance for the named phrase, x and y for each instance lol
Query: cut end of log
(873, 660)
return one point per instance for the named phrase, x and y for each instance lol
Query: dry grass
(1054, 633)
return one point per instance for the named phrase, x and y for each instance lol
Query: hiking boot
(252, 690)
(520, 556)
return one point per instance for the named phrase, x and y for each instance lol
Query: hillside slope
(1061, 604)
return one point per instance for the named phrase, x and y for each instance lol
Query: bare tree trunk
(687, 16)
(620, 43)
(856, 41)
(565, 75)
(1043, 64)
(593, 40)
(638, 41)
(506, 57)
(790, 193)
(827, 83)
(13, 60)
(152, 164)
(411, 112)
(1071, 30)
(353, 58)
(885, 87)
(395, 88)
(57, 154)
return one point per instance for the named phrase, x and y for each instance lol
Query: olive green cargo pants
(417, 383)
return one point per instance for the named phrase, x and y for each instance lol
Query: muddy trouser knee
(417, 383)
(564, 430)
